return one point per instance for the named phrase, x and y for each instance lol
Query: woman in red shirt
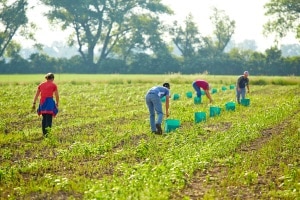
(205, 86)
(47, 106)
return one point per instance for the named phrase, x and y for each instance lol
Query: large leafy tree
(146, 36)
(186, 37)
(99, 25)
(285, 17)
(223, 30)
(274, 61)
(211, 57)
(12, 18)
(193, 45)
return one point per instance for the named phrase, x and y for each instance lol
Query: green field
(101, 147)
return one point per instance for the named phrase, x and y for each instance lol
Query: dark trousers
(46, 123)
(198, 90)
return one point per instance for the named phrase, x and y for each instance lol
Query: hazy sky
(248, 15)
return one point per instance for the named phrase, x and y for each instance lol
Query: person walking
(153, 101)
(198, 84)
(48, 108)
(241, 84)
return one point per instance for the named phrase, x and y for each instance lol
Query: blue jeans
(198, 90)
(154, 104)
(240, 93)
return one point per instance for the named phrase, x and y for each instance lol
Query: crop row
(101, 146)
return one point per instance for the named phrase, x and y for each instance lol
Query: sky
(248, 15)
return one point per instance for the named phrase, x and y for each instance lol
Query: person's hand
(56, 105)
(248, 91)
(33, 107)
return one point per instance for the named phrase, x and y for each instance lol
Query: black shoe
(159, 130)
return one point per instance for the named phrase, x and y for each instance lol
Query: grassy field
(101, 147)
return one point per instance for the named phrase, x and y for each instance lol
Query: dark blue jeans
(46, 123)
(198, 90)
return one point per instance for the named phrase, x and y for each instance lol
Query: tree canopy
(102, 24)
(12, 17)
(115, 36)
(285, 17)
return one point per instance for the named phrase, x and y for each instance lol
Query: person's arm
(35, 98)
(56, 97)
(248, 88)
(167, 105)
(208, 95)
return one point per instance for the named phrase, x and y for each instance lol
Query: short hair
(167, 85)
(246, 72)
(49, 76)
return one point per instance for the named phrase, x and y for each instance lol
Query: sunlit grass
(141, 78)
(100, 146)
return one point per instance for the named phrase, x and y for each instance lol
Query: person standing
(241, 84)
(198, 84)
(153, 101)
(48, 108)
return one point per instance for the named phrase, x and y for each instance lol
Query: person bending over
(153, 101)
(198, 84)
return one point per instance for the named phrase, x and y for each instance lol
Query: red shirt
(47, 89)
(202, 84)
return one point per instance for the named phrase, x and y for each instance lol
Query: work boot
(159, 130)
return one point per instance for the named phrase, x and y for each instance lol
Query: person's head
(167, 85)
(246, 74)
(49, 76)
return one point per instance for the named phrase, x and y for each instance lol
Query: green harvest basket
(163, 99)
(214, 111)
(189, 95)
(171, 125)
(176, 96)
(214, 90)
(200, 116)
(230, 106)
(245, 102)
(197, 100)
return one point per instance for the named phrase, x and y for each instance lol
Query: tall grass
(173, 78)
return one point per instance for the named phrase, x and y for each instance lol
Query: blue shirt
(160, 91)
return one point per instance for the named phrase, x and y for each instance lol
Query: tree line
(130, 37)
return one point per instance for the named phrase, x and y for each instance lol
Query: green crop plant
(101, 146)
